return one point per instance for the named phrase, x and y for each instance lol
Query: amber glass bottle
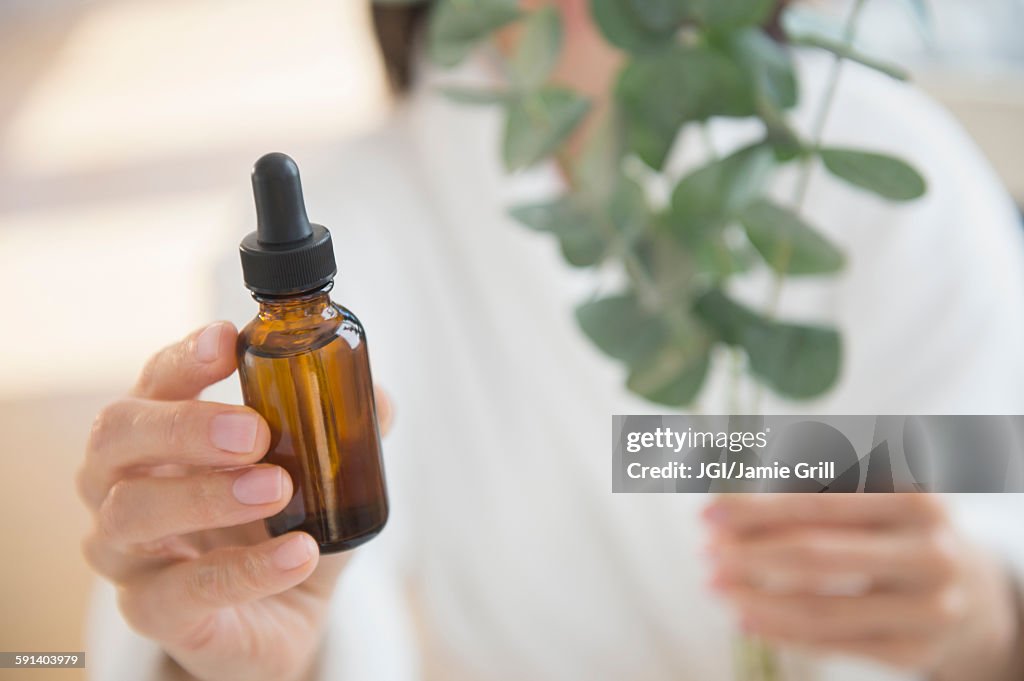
(304, 366)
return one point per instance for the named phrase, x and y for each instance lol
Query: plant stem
(735, 373)
(757, 660)
(806, 169)
(818, 130)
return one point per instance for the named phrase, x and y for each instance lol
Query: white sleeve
(993, 520)
(113, 652)
(369, 634)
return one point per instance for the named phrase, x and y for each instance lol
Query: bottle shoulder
(274, 337)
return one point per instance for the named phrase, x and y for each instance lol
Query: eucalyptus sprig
(685, 62)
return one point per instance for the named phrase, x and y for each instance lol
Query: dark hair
(397, 28)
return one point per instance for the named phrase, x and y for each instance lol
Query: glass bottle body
(304, 367)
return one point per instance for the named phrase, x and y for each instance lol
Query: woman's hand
(178, 500)
(883, 576)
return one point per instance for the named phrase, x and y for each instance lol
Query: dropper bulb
(280, 208)
(286, 254)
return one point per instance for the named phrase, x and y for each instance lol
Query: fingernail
(234, 432)
(715, 514)
(259, 486)
(208, 343)
(294, 552)
(718, 583)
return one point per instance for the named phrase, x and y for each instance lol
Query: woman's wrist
(991, 647)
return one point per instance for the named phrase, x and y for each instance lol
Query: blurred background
(127, 128)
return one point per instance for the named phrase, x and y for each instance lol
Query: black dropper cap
(286, 254)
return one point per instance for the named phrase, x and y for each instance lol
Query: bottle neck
(296, 306)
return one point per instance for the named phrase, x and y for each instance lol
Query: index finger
(385, 410)
(749, 512)
(181, 370)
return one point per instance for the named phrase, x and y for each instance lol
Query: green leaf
(538, 49)
(884, 175)
(651, 140)
(658, 15)
(725, 317)
(598, 167)
(718, 261)
(627, 29)
(578, 231)
(846, 51)
(538, 123)
(768, 65)
(456, 26)
(585, 225)
(729, 13)
(622, 328)
(653, 107)
(770, 70)
(659, 93)
(474, 96)
(640, 26)
(673, 376)
(787, 243)
(666, 366)
(628, 210)
(668, 262)
(782, 138)
(796, 360)
(711, 196)
(549, 216)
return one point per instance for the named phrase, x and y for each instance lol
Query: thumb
(181, 370)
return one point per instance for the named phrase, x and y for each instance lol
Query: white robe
(507, 556)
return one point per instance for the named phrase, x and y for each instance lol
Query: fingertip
(385, 410)
(712, 550)
(184, 368)
(715, 512)
(929, 508)
(718, 583)
(748, 625)
(238, 431)
(205, 344)
(214, 342)
(287, 486)
(294, 551)
(261, 443)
